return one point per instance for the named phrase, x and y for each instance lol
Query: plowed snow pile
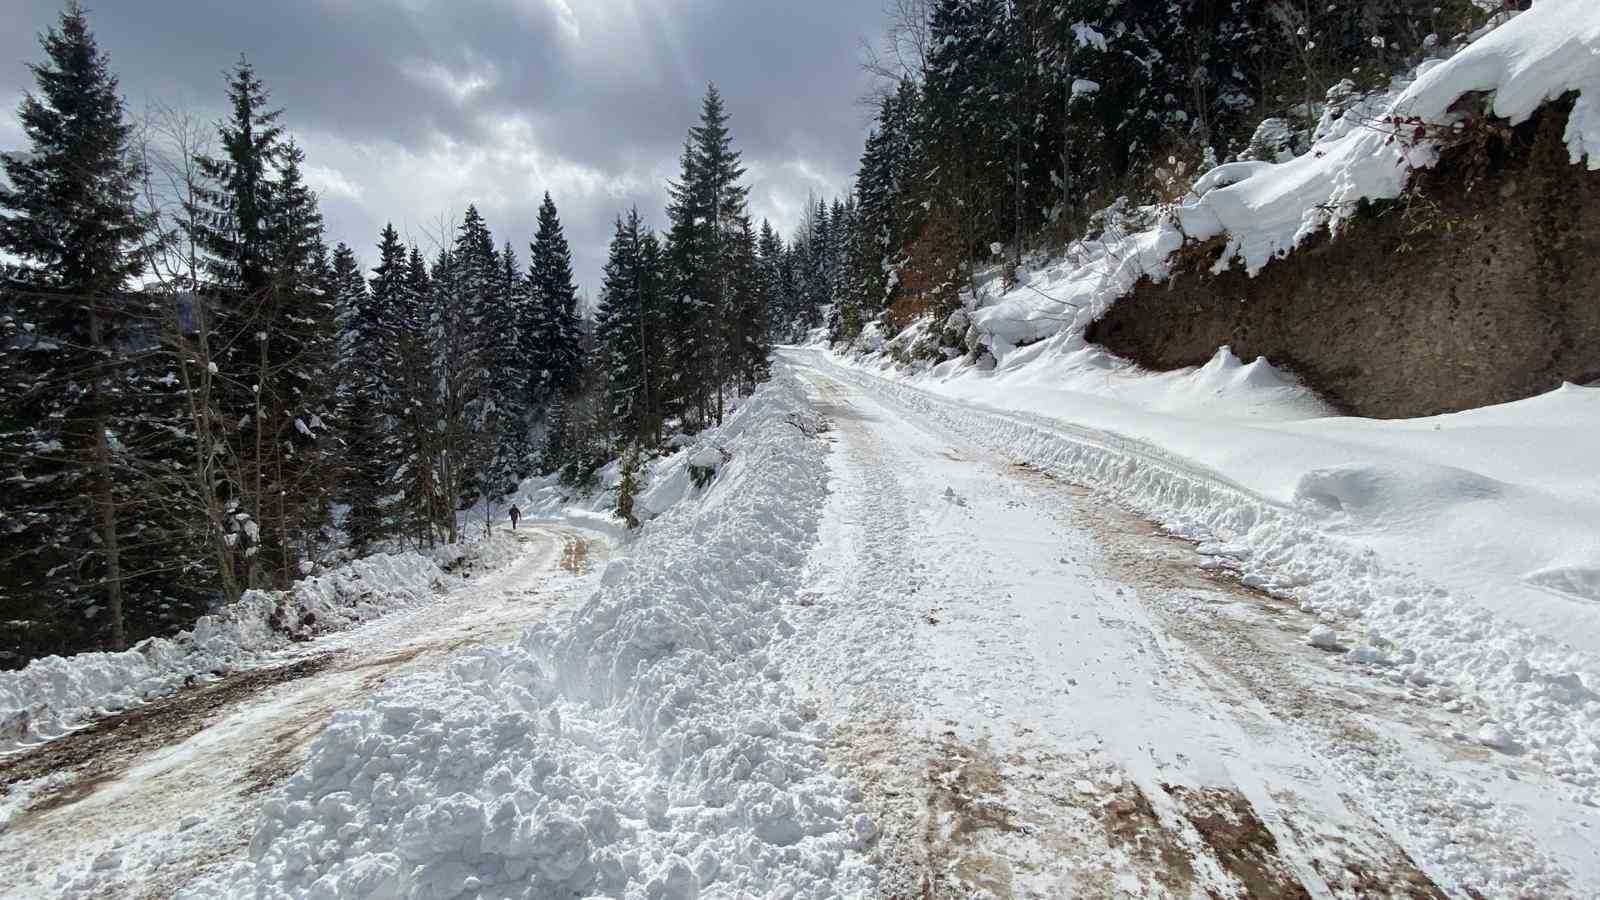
(648, 748)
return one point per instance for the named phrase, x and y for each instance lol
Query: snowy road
(140, 804)
(1044, 696)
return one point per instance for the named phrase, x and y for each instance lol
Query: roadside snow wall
(55, 693)
(646, 748)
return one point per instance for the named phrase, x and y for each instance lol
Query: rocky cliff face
(1479, 287)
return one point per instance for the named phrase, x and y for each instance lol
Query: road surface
(139, 804)
(1045, 696)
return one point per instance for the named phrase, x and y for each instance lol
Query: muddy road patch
(89, 757)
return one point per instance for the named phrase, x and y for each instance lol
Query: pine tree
(506, 384)
(553, 349)
(300, 358)
(707, 215)
(628, 333)
(70, 217)
(259, 230)
(230, 222)
(404, 294)
(364, 340)
(770, 252)
(746, 331)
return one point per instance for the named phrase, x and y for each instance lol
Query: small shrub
(630, 485)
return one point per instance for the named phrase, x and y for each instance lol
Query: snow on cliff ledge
(1267, 209)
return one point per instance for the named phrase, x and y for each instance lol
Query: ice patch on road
(649, 748)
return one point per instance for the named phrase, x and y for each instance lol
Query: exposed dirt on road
(105, 749)
(1259, 652)
(139, 803)
(1032, 824)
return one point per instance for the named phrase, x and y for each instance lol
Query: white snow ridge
(54, 694)
(648, 748)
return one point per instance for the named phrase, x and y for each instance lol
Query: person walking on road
(515, 515)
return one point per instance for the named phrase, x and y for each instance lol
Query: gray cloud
(410, 109)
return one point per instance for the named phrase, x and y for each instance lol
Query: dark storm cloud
(411, 109)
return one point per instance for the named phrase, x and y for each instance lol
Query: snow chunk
(706, 458)
(1496, 738)
(1324, 638)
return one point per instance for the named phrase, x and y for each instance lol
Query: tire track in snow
(1338, 838)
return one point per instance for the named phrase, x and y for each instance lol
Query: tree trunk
(104, 502)
(106, 507)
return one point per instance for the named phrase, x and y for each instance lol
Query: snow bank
(1455, 554)
(648, 748)
(52, 695)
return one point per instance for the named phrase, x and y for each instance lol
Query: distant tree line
(198, 396)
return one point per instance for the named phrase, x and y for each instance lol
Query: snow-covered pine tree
(684, 366)
(70, 216)
(746, 333)
(843, 216)
(230, 219)
(769, 262)
(405, 298)
(555, 349)
(466, 314)
(890, 207)
(299, 359)
(817, 288)
(258, 229)
(511, 409)
(707, 212)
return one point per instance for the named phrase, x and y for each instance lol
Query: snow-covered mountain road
(140, 803)
(1044, 696)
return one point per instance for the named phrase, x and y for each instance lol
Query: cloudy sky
(410, 109)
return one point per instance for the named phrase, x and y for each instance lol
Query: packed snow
(1438, 540)
(1065, 700)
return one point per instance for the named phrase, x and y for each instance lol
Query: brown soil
(102, 751)
(1477, 290)
(574, 554)
(1247, 850)
(1140, 553)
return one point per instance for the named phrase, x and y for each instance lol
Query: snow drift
(648, 748)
